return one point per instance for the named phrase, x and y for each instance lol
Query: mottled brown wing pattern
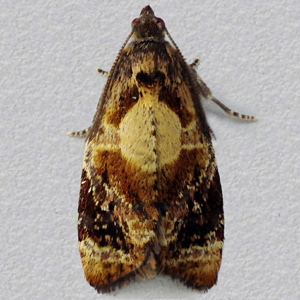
(196, 238)
(150, 200)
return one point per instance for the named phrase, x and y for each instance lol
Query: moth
(151, 199)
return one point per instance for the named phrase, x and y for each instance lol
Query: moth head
(148, 26)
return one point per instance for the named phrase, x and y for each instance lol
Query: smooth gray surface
(249, 58)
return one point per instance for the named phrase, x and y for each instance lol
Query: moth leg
(105, 73)
(230, 112)
(195, 63)
(210, 96)
(80, 134)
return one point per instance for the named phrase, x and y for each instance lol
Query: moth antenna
(115, 63)
(173, 42)
(107, 85)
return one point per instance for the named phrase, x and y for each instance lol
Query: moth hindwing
(150, 200)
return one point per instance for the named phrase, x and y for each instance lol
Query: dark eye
(135, 21)
(160, 21)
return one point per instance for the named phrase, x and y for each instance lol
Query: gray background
(249, 54)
